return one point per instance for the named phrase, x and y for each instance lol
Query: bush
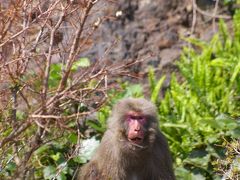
(197, 113)
(49, 83)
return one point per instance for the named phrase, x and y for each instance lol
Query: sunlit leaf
(82, 62)
(156, 90)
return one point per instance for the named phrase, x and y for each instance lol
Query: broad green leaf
(73, 138)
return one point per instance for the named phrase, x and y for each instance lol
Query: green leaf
(219, 62)
(56, 156)
(20, 115)
(55, 75)
(184, 126)
(82, 62)
(196, 42)
(49, 172)
(79, 160)
(184, 174)
(199, 161)
(42, 149)
(96, 125)
(156, 90)
(61, 176)
(64, 167)
(11, 167)
(235, 72)
(151, 79)
(134, 90)
(73, 138)
(236, 133)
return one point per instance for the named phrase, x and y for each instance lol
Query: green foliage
(197, 113)
(56, 70)
(82, 62)
(55, 75)
(231, 2)
(51, 161)
(100, 124)
(8, 169)
(155, 86)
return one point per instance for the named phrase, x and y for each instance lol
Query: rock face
(145, 27)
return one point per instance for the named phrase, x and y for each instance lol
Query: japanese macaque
(132, 148)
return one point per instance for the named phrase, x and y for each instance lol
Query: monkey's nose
(137, 126)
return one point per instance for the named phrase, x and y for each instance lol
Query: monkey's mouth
(136, 140)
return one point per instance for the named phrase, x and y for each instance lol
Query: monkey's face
(138, 131)
(136, 124)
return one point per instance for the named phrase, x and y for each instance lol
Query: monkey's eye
(141, 119)
(130, 118)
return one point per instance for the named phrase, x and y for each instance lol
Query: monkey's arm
(164, 157)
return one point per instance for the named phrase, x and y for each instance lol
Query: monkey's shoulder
(161, 150)
(161, 140)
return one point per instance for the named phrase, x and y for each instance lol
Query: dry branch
(35, 36)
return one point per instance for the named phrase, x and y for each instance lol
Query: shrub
(197, 113)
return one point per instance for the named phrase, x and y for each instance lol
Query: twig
(211, 15)
(74, 47)
(15, 133)
(214, 15)
(194, 5)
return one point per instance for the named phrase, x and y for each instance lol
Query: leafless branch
(36, 38)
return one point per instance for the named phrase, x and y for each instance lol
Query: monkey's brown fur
(118, 159)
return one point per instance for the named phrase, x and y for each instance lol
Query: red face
(136, 131)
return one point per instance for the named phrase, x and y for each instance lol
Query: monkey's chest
(143, 174)
(133, 176)
(137, 176)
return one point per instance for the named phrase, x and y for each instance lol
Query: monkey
(132, 148)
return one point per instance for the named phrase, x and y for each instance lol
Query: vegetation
(199, 112)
